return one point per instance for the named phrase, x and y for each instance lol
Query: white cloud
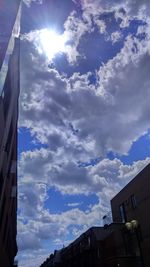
(106, 179)
(75, 28)
(133, 8)
(102, 115)
(115, 37)
(74, 204)
(79, 121)
(138, 8)
(32, 258)
(28, 2)
(126, 11)
(32, 196)
(127, 96)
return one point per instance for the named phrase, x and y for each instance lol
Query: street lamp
(133, 227)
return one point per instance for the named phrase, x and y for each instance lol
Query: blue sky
(84, 129)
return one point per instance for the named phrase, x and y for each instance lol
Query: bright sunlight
(52, 43)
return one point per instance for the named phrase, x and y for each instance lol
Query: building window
(2, 211)
(14, 191)
(133, 202)
(5, 229)
(7, 94)
(9, 138)
(122, 213)
(1, 182)
(98, 253)
(13, 166)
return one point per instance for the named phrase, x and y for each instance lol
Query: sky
(84, 129)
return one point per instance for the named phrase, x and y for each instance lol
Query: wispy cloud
(74, 204)
(28, 2)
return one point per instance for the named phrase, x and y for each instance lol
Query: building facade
(9, 93)
(97, 247)
(132, 204)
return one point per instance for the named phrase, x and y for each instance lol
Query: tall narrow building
(9, 93)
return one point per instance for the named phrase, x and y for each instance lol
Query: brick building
(132, 203)
(9, 92)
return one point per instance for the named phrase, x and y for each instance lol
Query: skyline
(84, 117)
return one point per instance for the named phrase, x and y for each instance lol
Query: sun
(52, 43)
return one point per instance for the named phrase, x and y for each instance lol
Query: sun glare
(52, 43)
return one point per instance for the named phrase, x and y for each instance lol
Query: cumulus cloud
(105, 177)
(32, 200)
(124, 12)
(115, 37)
(53, 227)
(75, 29)
(102, 115)
(37, 222)
(133, 8)
(78, 121)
